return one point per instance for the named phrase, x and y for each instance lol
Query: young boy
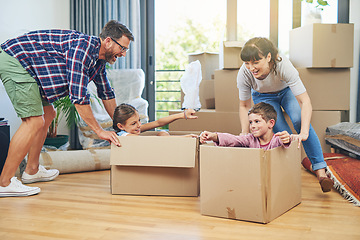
(262, 118)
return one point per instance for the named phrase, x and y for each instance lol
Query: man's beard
(109, 57)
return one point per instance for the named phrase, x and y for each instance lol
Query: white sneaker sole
(42, 179)
(20, 194)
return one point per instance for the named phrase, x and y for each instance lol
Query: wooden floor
(80, 206)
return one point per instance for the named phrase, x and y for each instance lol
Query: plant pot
(57, 141)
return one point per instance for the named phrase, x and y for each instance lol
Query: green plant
(321, 3)
(63, 107)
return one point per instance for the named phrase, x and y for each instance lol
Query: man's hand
(109, 136)
(87, 115)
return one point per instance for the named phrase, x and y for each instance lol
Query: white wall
(354, 72)
(20, 16)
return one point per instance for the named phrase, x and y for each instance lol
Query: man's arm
(87, 115)
(110, 106)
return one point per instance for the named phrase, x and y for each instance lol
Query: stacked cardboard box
(223, 115)
(323, 54)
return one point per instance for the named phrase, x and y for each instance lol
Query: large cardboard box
(226, 91)
(209, 120)
(230, 55)
(322, 46)
(328, 88)
(209, 63)
(152, 165)
(320, 120)
(206, 94)
(249, 184)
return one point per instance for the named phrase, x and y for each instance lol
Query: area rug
(345, 172)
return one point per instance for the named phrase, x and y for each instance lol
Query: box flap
(200, 53)
(154, 151)
(233, 44)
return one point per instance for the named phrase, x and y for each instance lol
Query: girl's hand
(190, 114)
(284, 136)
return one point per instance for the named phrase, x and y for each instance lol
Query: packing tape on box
(333, 28)
(333, 62)
(76, 160)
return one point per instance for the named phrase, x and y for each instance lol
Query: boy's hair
(116, 30)
(256, 47)
(121, 114)
(265, 110)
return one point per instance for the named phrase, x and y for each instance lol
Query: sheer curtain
(89, 17)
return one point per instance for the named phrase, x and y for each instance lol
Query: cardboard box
(226, 91)
(209, 63)
(249, 184)
(230, 55)
(206, 94)
(163, 166)
(328, 88)
(320, 120)
(322, 46)
(209, 120)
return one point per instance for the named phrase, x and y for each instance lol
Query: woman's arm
(187, 114)
(306, 111)
(244, 107)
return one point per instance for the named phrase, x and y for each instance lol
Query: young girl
(262, 118)
(267, 77)
(126, 121)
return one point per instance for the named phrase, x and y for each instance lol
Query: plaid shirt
(62, 62)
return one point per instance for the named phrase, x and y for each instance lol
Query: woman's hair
(258, 47)
(115, 29)
(265, 110)
(121, 114)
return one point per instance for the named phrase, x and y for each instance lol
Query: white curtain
(90, 16)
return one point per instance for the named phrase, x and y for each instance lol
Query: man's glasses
(123, 49)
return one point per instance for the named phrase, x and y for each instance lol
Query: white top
(286, 76)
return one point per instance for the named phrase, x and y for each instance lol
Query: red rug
(345, 172)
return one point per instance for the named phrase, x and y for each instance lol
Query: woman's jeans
(286, 99)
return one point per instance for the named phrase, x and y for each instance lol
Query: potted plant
(321, 3)
(63, 107)
(312, 11)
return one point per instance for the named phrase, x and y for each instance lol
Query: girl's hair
(265, 110)
(121, 114)
(258, 47)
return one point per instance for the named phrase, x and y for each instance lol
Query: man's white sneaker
(17, 189)
(42, 175)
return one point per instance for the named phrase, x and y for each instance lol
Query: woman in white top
(267, 77)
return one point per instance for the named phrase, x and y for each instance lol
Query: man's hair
(265, 110)
(121, 114)
(116, 30)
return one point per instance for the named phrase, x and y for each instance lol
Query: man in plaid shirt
(40, 67)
